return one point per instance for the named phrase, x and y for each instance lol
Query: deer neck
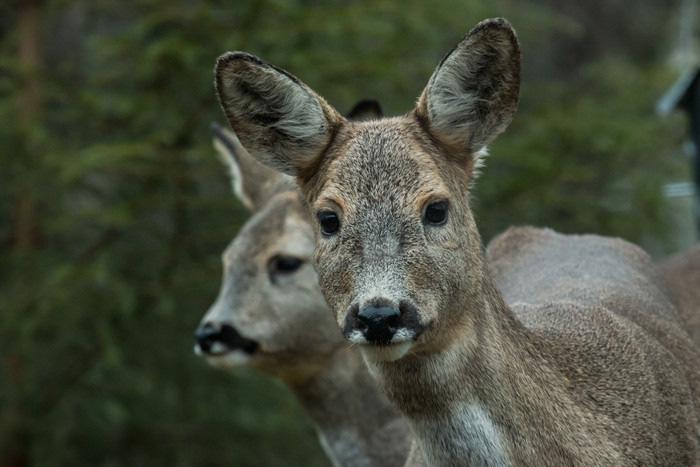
(356, 423)
(492, 398)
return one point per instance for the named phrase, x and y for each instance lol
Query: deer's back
(596, 310)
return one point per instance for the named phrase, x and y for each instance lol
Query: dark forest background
(114, 208)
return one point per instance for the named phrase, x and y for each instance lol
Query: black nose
(378, 323)
(226, 336)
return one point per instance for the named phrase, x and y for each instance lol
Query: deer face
(397, 250)
(270, 312)
(391, 235)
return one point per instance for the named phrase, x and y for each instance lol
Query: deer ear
(366, 109)
(473, 94)
(252, 183)
(279, 119)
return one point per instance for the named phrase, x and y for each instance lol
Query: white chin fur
(389, 353)
(229, 360)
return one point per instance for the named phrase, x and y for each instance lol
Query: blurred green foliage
(113, 210)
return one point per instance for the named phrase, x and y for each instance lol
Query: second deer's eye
(330, 222)
(436, 213)
(280, 264)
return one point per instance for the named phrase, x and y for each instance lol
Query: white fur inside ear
(292, 109)
(279, 120)
(234, 172)
(479, 162)
(473, 94)
(303, 116)
(449, 106)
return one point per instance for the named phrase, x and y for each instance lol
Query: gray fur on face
(383, 247)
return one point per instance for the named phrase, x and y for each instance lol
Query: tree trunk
(26, 229)
(15, 444)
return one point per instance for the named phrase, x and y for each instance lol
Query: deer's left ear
(279, 120)
(473, 94)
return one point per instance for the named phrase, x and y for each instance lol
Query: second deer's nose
(206, 336)
(213, 339)
(378, 323)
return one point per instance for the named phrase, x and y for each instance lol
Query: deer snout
(378, 323)
(381, 322)
(214, 339)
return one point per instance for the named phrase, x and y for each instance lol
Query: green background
(114, 209)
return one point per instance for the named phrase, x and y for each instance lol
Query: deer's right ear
(279, 119)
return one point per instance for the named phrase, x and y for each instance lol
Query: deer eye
(436, 213)
(281, 264)
(330, 223)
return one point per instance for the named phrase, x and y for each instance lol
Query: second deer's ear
(473, 94)
(366, 109)
(279, 120)
(253, 183)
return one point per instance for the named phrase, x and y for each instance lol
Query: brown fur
(579, 358)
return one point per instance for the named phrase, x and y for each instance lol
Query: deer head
(395, 234)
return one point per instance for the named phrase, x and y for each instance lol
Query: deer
(577, 357)
(270, 315)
